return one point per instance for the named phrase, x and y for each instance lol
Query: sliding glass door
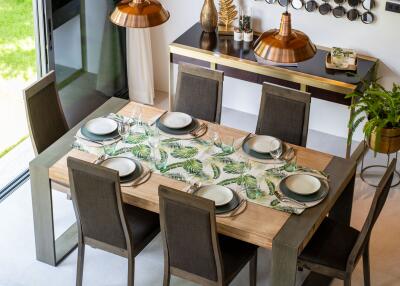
(77, 40)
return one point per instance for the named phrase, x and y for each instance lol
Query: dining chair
(46, 120)
(335, 248)
(284, 113)
(192, 248)
(103, 220)
(199, 92)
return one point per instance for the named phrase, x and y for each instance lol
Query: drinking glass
(253, 191)
(159, 162)
(109, 149)
(228, 142)
(123, 130)
(154, 140)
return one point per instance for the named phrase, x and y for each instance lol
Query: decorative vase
(209, 16)
(389, 143)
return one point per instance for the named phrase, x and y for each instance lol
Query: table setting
(257, 168)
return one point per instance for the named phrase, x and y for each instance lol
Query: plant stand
(396, 176)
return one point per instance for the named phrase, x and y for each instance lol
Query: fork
(285, 199)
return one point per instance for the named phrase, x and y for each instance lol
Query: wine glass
(123, 130)
(276, 153)
(214, 140)
(154, 140)
(137, 118)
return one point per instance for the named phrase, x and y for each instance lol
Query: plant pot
(389, 143)
(248, 37)
(237, 35)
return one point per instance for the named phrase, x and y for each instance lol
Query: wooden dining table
(286, 234)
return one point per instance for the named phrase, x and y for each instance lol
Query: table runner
(202, 161)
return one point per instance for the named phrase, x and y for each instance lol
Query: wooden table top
(257, 224)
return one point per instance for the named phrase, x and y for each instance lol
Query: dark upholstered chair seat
(331, 245)
(235, 255)
(145, 225)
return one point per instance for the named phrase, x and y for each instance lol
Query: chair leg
(131, 270)
(347, 281)
(253, 270)
(367, 278)
(79, 269)
(167, 275)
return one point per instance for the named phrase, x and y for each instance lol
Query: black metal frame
(14, 184)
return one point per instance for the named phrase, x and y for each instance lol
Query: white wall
(380, 39)
(67, 44)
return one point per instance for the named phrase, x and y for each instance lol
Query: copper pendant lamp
(139, 14)
(284, 45)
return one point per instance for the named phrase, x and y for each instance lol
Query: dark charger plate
(320, 194)
(136, 174)
(182, 131)
(91, 136)
(263, 156)
(233, 204)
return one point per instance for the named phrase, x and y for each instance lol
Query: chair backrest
(284, 113)
(378, 202)
(199, 92)
(96, 196)
(188, 229)
(46, 119)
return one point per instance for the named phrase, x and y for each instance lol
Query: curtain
(112, 74)
(140, 66)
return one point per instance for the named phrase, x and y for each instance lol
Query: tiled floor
(17, 250)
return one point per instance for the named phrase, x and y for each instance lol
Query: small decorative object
(237, 34)
(209, 16)
(227, 14)
(245, 20)
(248, 35)
(341, 59)
(381, 109)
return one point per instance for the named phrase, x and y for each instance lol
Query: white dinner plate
(263, 144)
(124, 166)
(101, 126)
(219, 194)
(303, 184)
(176, 120)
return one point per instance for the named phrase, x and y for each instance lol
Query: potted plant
(381, 108)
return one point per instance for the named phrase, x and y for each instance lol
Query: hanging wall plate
(297, 4)
(367, 17)
(270, 1)
(339, 2)
(339, 11)
(325, 9)
(353, 3)
(311, 6)
(368, 4)
(284, 3)
(353, 14)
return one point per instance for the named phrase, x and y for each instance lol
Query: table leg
(298, 230)
(48, 249)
